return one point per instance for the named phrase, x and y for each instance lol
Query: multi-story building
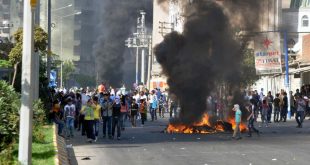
(11, 14)
(168, 17)
(85, 36)
(296, 23)
(63, 16)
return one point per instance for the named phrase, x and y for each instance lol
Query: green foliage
(40, 43)
(39, 118)
(9, 115)
(249, 76)
(5, 49)
(5, 64)
(15, 55)
(6, 156)
(67, 69)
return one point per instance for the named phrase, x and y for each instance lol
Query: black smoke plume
(206, 53)
(118, 20)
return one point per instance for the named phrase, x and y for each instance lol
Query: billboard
(53, 79)
(267, 52)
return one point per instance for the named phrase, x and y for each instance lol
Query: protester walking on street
(270, 102)
(301, 108)
(276, 105)
(124, 111)
(153, 105)
(284, 107)
(56, 117)
(116, 118)
(69, 114)
(88, 111)
(143, 111)
(106, 105)
(250, 120)
(97, 115)
(133, 112)
(238, 113)
(265, 109)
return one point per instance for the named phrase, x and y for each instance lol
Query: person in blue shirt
(238, 114)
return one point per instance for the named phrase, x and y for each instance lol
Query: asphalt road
(280, 144)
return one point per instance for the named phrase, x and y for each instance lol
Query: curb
(62, 152)
(55, 144)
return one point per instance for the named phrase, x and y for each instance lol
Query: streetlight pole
(142, 66)
(26, 113)
(149, 64)
(137, 65)
(141, 40)
(61, 76)
(49, 32)
(49, 47)
(61, 43)
(70, 5)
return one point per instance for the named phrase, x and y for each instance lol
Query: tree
(67, 69)
(40, 43)
(5, 48)
(249, 76)
(85, 80)
(9, 118)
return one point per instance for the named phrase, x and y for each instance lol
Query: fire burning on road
(206, 125)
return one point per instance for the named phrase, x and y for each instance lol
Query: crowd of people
(266, 105)
(85, 110)
(297, 102)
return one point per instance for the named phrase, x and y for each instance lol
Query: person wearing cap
(301, 108)
(238, 113)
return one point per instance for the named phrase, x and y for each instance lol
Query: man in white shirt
(69, 112)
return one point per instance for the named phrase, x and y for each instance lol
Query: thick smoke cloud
(205, 54)
(118, 20)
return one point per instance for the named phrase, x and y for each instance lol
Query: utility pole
(140, 39)
(26, 112)
(149, 64)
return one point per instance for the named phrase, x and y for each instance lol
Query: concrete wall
(160, 14)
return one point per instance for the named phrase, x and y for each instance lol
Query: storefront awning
(300, 70)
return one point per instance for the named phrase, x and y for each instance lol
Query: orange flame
(180, 128)
(232, 121)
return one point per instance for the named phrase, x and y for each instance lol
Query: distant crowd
(85, 110)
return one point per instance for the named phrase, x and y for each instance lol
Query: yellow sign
(33, 3)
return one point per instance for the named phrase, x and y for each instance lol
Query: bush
(39, 119)
(9, 115)
(9, 121)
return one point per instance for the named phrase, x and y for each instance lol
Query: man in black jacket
(116, 117)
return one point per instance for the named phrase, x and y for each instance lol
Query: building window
(305, 21)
